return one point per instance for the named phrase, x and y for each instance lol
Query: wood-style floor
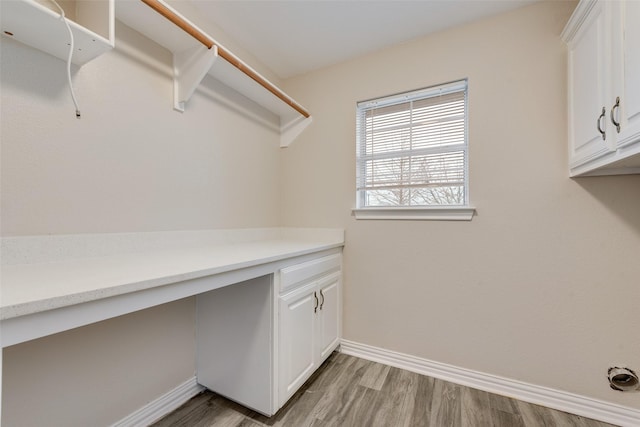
(350, 392)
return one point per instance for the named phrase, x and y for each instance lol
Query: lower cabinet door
(328, 315)
(297, 339)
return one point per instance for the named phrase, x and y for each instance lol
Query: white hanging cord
(73, 95)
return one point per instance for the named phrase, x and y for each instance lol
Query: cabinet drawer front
(297, 274)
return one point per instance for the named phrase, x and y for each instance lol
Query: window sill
(439, 213)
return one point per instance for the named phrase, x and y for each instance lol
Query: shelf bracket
(290, 131)
(189, 68)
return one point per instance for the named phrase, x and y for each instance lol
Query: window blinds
(412, 148)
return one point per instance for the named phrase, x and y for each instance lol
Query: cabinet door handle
(604, 135)
(322, 295)
(613, 109)
(315, 309)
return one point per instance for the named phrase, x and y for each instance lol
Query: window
(412, 158)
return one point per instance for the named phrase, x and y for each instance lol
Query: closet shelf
(35, 25)
(196, 54)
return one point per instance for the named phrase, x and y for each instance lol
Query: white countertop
(42, 273)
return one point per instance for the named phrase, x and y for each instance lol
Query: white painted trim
(556, 399)
(578, 17)
(162, 406)
(435, 213)
(291, 130)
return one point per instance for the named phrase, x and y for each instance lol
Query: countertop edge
(75, 298)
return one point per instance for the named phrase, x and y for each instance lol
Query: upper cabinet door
(626, 84)
(589, 57)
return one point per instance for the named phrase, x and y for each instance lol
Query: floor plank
(506, 419)
(503, 403)
(421, 414)
(446, 409)
(535, 415)
(375, 376)
(391, 402)
(474, 404)
(343, 394)
(350, 392)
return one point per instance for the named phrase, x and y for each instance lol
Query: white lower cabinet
(310, 321)
(259, 340)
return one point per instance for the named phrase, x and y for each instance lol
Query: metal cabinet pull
(322, 295)
(613, 109)
(604, 135)
(315, 309)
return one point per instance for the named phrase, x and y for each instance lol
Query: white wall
(542, 285)
(130, 164)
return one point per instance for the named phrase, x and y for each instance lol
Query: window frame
(463, 212)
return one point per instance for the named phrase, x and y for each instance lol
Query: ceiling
(293, 37)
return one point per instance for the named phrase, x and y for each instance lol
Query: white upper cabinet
(626, 81)
(37, 24)
(604, 88)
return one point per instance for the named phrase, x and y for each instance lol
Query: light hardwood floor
(350, 392)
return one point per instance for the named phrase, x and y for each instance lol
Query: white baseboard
(162, 406)
(551, 398)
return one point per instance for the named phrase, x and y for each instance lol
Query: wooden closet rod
(224, 53)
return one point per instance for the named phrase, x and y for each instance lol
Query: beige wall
(130, 164)
(98, 374)
(542, 285)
